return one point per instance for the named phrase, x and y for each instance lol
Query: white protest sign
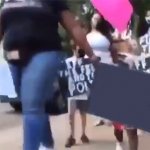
(80, 75)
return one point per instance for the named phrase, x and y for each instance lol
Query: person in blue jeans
(33, 50)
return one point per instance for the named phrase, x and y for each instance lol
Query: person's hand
(95, 59)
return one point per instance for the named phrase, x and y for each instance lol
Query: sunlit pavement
(101, 137)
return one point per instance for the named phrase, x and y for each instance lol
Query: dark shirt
(32, 28)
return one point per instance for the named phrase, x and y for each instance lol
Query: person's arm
(73, 27)
(67, 20)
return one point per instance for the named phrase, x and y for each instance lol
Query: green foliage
(84, 10)
(141, 6)
(81, 8)
(140, 9)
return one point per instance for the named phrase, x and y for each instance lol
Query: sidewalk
(101, 137)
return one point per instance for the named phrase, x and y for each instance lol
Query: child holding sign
(122, 54)
(75, 103)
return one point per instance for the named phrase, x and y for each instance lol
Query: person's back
(30, 26)
(34, 53)
(32, 48)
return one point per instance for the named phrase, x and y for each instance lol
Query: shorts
(81, 105)
(122, 127)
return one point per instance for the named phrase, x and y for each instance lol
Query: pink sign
(116, 12)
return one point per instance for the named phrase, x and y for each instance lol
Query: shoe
(140, 132)
(84, 139)
(42, 147)
(120, 146)
(99, 123)
(70, 142)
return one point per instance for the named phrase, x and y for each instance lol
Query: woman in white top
(99, 38)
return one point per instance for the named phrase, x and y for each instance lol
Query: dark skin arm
(73, 27)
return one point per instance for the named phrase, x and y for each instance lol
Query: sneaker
(42, 147)
(70, 142)
(84, 139)
(140, 132)
(102, 122)
(99, 123)
(120, 146)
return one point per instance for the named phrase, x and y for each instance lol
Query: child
(73, 105)
(122, 56)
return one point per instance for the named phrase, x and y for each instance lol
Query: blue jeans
(34, 85)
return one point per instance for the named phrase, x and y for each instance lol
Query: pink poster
(116, 12)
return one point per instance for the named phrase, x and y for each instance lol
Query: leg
(71, 109)
(133, 139)
(83, 121)
(15, 70)
(84, 137)
(37, 82)
(83, 106)
(119, 137)
(118, 132)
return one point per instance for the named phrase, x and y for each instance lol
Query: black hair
(104, 27)
(81, 53)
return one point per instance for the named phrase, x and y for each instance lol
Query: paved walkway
(101, 137)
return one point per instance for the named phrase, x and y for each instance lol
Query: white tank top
(98, 42)
(100, 45)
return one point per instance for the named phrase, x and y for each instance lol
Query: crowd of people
(32, 48)
(113, 50)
